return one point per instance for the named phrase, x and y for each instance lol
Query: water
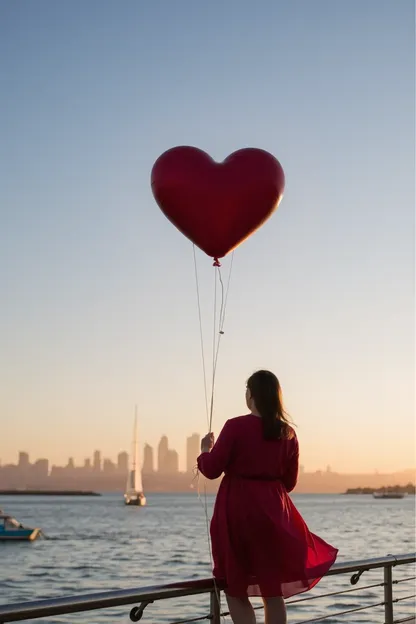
(96, 544)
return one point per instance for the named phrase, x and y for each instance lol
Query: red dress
(260, 543)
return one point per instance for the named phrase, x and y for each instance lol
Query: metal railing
(148, 595)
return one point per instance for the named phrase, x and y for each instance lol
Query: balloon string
(218, 332)
(201, 335)
(204, 502)
(207, 526)
(214, 353)
(227, 291)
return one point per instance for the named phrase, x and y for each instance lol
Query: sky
(98, 309)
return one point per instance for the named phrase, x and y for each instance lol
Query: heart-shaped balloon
(217, 205)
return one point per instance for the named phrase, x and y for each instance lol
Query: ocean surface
(96, 544)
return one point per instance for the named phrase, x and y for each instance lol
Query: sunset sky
(98, 308)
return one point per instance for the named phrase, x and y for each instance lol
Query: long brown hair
(266, 393)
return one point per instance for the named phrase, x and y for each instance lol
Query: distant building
(192, 451)
(23, 460)
(162, 455)
(97, 461)
(148, 464)
(108, 466)
(87, 464)
(172, 462)
(123, 462)
(41, 469)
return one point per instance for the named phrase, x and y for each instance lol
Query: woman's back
(253, 456)
(241, 451)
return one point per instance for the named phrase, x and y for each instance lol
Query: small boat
(138, 499)
(134, 488)
(384, 495)
(11, 529)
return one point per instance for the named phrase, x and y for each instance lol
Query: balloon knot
(216, 263)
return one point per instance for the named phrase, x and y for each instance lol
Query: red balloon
(217, 205)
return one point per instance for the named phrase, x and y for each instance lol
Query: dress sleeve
(290, 477)
(213, 464)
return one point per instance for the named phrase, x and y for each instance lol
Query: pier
(141, 599)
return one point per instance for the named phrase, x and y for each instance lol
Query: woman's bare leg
(274, 610)
(241, 610)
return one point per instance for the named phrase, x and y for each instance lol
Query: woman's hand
(207, 443)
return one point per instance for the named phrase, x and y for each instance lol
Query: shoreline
(409, 489)
(48, 493)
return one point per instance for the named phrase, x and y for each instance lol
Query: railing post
(215, 606)
(388, 594)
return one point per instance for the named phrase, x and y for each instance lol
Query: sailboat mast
(134, 488)
(135, 440)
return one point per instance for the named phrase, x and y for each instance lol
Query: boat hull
(397, 495)
(22, 535)
(135, 500)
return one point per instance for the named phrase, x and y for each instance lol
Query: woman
(261, 546)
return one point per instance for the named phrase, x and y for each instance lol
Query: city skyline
(167, 459)
(104, 475)
(162, 459)
(307, 456)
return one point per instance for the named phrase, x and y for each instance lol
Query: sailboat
(134, 488)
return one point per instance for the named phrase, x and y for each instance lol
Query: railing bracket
(137, 612)
(356, 577)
